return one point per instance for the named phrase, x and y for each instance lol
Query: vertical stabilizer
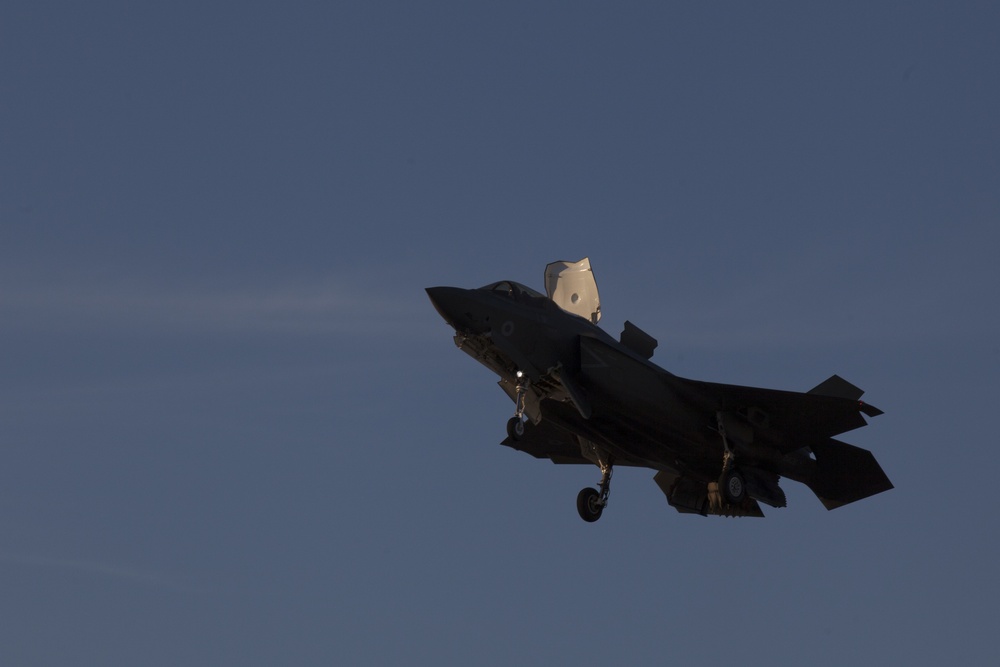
(837, 387)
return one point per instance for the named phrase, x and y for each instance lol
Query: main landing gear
(590, 502)
(731, 482)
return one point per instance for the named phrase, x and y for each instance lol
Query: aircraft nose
(444, 300)
(452, 304)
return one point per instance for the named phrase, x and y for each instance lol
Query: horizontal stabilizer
(869, 410)
(845, 473)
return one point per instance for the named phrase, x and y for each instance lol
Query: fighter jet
(580, 396)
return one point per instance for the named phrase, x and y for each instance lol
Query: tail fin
(845, 473)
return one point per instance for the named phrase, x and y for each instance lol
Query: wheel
(588, 504)
(515, 428)
(734, 488)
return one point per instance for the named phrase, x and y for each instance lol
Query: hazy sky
(235, 432)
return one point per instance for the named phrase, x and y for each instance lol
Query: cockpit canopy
(511, 288)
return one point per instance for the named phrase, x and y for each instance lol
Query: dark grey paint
(589, 398)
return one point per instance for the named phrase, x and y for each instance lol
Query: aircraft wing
(783, 421)
(789, 420)
(634, 382)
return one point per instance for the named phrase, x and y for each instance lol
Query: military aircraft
(580, 396)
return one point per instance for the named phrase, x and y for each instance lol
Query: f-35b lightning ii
(581, 396)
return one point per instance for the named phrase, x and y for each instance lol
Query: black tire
(588, 504)
(733, 487)
(515, 428)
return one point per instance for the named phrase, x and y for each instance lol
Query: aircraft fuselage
(718, 449)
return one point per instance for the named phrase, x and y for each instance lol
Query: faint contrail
(134, 575)
(318, 308)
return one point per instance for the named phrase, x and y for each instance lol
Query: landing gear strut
(515, 425)
(731, 482)
(590, 503)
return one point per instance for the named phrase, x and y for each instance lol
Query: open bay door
(572, 287)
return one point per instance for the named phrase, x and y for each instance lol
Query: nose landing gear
(515, 428)
(515, 425)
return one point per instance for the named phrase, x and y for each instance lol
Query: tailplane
(845, 473)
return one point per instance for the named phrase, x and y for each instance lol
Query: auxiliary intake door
(572, 287)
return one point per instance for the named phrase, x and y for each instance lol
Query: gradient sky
(234, 431)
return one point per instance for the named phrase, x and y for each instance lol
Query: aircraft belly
(630, 439)
(482, 350)
(638, 411)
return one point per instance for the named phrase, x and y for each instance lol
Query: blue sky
(235, 432)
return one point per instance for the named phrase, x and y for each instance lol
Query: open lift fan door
(572, 287)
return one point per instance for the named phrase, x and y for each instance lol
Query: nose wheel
(515, 428)
(588, 504)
